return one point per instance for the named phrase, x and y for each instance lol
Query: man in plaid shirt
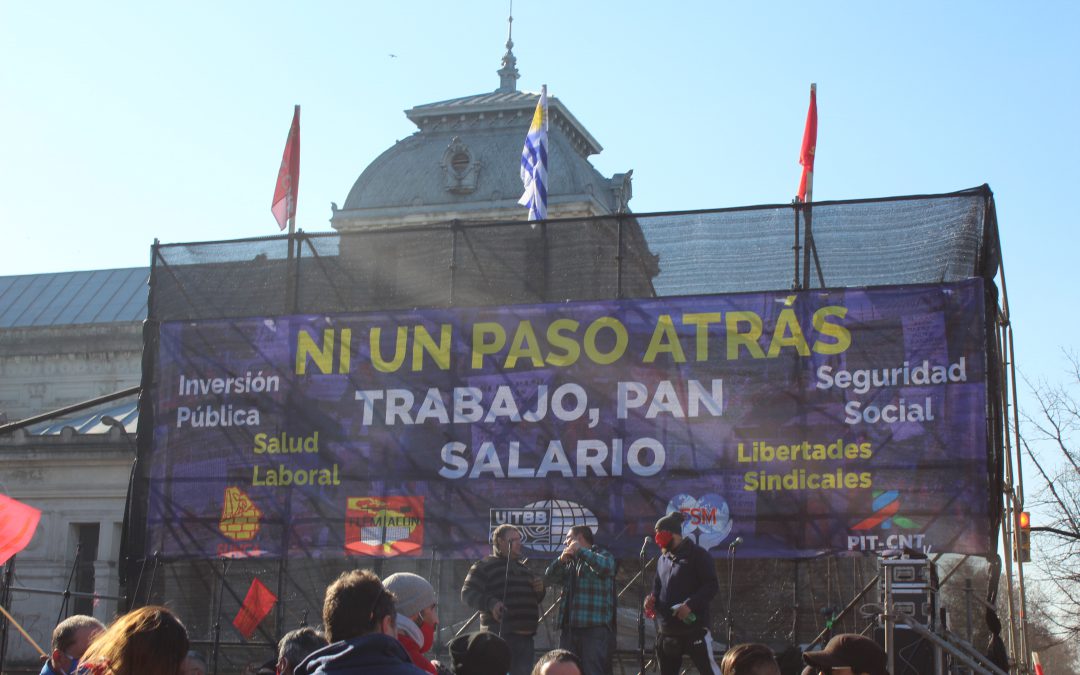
(587, 573)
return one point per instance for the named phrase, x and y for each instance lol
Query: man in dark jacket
(508, 596)
(358, 616)
(684, 586)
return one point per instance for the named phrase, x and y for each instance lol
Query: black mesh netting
(856, 243)
(908, 240)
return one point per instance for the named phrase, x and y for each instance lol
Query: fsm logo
(543, 525)
(708, 518)
(886, 508)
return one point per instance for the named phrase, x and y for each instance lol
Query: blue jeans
(522, 654)
(590, 645)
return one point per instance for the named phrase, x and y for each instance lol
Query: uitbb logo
(708, 518)
(544, 524)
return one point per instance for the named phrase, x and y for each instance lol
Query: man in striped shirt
(507, 595)
(587, 573)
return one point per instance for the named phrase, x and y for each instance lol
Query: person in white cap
(418, 615)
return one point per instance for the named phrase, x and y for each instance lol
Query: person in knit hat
(684, 587)
(417, 617)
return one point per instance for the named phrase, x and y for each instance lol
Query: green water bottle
(689, 618)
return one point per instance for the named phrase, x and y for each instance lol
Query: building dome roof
(463, 163)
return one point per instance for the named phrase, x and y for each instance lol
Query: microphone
(644, 545)
(735, 542)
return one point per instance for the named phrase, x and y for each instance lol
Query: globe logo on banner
(544, 525)
(708, 519)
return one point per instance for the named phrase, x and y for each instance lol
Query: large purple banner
(805, 423)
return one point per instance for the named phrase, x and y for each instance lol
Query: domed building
(462, 164)
(457, 177)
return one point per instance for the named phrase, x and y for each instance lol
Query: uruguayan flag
(534, 162)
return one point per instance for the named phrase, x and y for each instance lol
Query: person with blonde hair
(145, 641)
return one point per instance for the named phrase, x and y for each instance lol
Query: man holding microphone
(684, 587)
(587, 573)
(507, 594)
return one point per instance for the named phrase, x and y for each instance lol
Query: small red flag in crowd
(809, 147)
(288, 179)
(18, 522)
(257, 605)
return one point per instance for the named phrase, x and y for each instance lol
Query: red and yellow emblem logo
(240, 518)
(384, 526)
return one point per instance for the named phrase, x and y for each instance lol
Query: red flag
(288, 178)
(809, 145)
(257, 605)
(18, 522)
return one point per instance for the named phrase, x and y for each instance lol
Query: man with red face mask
(684, 587)
(418, 615)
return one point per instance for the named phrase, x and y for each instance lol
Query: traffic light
(1023, 536)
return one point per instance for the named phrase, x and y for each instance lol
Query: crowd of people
(387, 626)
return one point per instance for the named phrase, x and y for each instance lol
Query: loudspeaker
(913, 655)
(919, 605)
(914, 587)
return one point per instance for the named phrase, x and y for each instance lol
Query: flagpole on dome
(534, 162)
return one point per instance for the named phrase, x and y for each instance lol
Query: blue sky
(124, 122)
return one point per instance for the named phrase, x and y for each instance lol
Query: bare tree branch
(1068, 513)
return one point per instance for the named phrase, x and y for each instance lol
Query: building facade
(67, 338)
(77, 336)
